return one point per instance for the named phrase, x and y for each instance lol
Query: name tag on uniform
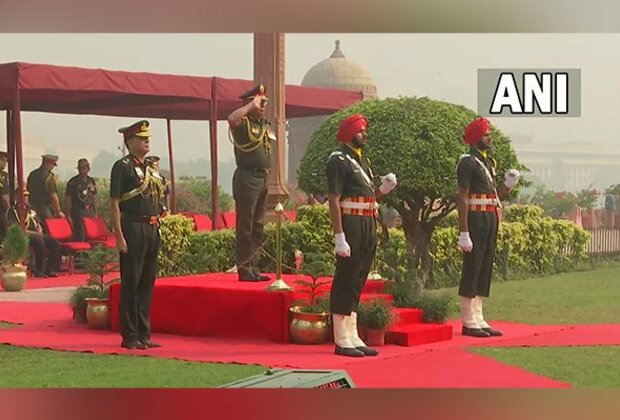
(139, 172)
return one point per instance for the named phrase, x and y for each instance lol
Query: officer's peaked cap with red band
(476, 129)
(139, 129)
(350, 126)
(258, 90)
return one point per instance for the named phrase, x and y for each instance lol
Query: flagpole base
(278, 285)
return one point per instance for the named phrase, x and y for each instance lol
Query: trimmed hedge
(527, 244)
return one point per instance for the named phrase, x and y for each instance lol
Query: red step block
(416, 334)
(408, 316)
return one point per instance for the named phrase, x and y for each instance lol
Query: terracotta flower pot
(375, 337)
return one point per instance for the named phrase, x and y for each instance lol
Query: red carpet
(570, 335)
(443, 364)
(77, 279)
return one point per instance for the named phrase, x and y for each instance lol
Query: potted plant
(375, 316)
(436, 306)
(90, 303)
(309, 315)
(14, 252)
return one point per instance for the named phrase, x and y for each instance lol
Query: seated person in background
(41, 243)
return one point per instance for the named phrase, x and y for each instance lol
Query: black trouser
(138, 270)
(478, 264)
(44, 211)
(77, 220)
(352, 272)
(43, 245)
(250, 194)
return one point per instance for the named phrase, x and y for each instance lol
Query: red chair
(97, 232)
(229, 219)
(202, 222)
(60, 229)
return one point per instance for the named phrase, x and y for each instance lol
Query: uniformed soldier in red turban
(478, 206)
(353, 209)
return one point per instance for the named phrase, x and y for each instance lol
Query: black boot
(474, 332)
(348, 351)
(493, 332)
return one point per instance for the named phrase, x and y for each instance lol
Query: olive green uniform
(252, 140)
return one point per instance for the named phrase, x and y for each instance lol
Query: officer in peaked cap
(43, 186)
(80, 199)
(136, 194)
(251, 134)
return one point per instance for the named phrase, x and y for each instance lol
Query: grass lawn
(23, 367)
(579, 366)
(571, 298)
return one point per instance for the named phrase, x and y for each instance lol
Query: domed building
(335, 72)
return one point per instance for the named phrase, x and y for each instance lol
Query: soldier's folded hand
(465, 242)
(388, 183)
(121, 245)
(511, 178)
(342, 246)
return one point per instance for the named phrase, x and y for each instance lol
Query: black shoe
(40, 275)
(348, 351)
(474, 332)
(367, 351)
(493, 332)
(132, 345)
(51, 274)
(261, 277)
(248, 276)
(150, 344)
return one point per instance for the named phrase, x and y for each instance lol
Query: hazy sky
(442, 66)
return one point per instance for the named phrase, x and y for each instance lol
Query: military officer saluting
(353, 209)
(478, 203)
(136, 194)
(251, 134)
(43, 186)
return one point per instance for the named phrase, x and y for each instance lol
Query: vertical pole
(215, 210)
(173, 201)
(19, 157)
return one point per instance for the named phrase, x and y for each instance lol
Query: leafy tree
(194, 194)
(420, 140)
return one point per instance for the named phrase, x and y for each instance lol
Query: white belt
(359, 206)
(483, 202)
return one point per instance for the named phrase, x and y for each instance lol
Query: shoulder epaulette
(337, 153)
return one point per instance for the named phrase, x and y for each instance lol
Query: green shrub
(15, 245)
(212, 251)
(176, 231)
(437, 307)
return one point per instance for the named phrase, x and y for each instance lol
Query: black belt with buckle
(130, 217)
(263, 171)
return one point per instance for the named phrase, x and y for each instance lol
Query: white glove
(465, 242)
(342, 247)
(388, 182)
(511, 178)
